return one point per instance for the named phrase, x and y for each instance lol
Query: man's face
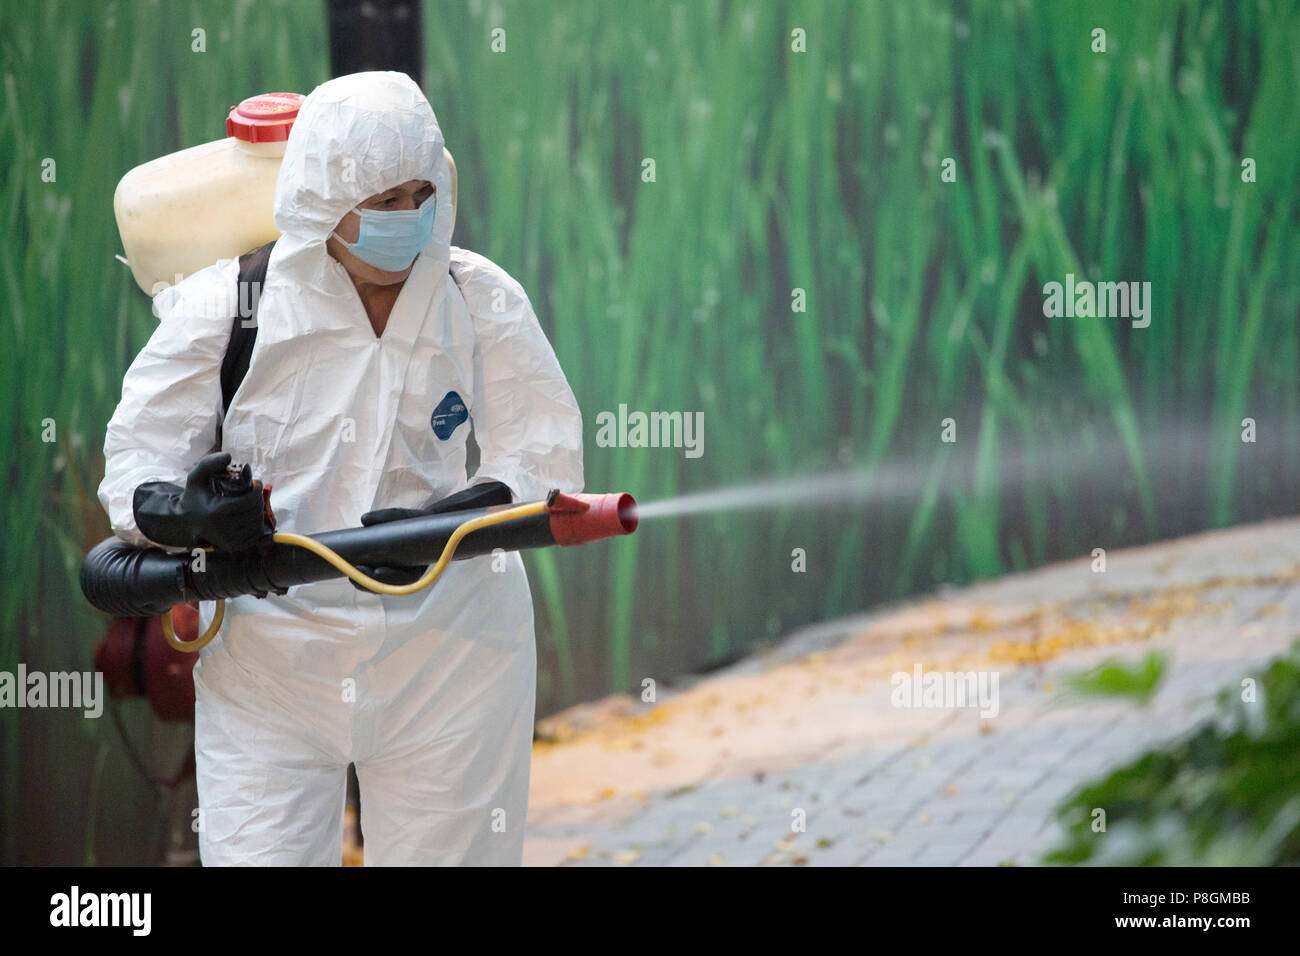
(409, 195)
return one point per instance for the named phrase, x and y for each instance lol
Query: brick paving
(798, 756)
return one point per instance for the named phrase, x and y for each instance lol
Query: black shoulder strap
(243, 329)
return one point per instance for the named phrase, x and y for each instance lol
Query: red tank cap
(266, 118)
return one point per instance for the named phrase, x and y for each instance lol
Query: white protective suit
(430, 695)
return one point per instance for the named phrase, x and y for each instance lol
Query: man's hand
(477, 496)
(196, 515)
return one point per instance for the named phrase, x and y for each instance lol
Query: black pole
(376, 35)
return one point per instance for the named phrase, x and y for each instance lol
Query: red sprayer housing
(137, 661)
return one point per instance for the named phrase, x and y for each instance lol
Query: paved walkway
(721, 772)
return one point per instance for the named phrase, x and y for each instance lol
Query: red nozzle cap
(577, 519)
(264, 119)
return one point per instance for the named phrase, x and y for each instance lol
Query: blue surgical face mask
(390, 240)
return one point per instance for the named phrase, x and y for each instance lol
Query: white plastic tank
(181, 213)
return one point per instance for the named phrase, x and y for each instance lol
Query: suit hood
(356, 136)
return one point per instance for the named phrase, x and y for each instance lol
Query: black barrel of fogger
(128, 581)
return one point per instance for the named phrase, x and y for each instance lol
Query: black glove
(200, 515)
(476, 496)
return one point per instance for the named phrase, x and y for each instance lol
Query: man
(378, 347)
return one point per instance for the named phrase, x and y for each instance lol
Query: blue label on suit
(451, 411)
